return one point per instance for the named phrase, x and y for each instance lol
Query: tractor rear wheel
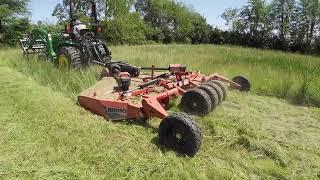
(114, 69)
(218, 91)
(180, 133)
(223, 88)
(106, 59)
(196, 102)
(69, 57)
(212, 94)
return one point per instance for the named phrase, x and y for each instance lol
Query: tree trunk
(282, 33)
(311, 32)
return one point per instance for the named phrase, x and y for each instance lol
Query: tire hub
(179, 136)
(63, 62)
(194, 104)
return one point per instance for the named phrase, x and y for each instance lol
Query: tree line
(13, 22)
(282, 24)
(290, 25)
(144, 21)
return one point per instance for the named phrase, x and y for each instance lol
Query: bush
(129, 29)
(14, 30)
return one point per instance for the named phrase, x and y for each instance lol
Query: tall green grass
(47, 74)
(273, 73)
(290, 76)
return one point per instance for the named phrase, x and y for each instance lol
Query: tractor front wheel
(69, 57)
(180, 133)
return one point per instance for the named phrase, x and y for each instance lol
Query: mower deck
(107, 89)
(104, 98)
(120, 96)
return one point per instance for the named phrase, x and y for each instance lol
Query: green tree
(15, 30)
(122, 25)
(282, 13)
(10, 9)
(115, 8)
(231, 16)
(176, 21)
(128, 29)
(82, 9)
(309, 13)
(249, 21)
(11, 21)
(257, 19)
(201, 31)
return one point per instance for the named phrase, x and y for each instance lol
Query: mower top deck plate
(107, 89)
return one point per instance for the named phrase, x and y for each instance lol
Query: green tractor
(76, 47)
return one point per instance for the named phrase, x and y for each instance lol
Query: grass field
(44, 134)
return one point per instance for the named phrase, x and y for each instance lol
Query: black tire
(179, 132)
(244, 82)
(218, 91)
(106, 59)
(223, 88)
(73, 55)
(115, 69)
(196, 102)
(212, 94)
(125, 84)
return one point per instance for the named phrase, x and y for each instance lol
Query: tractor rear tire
(179, 132)
(106, 59)
(244, 82)
(218, 91)
(114, 69)
(212, 94)
(69, 57)
(196, 102)
(223, 88)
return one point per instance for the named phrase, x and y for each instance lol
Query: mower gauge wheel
(179, 132)
(243, 82)
(196, 102)
(212, 94)
(218, 91)
(223, 88)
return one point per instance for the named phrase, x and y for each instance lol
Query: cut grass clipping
(44, 134)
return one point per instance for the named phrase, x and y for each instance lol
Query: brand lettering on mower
(116, 113)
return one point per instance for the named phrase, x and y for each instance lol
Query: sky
(41, 10)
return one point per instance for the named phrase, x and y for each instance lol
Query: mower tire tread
(190, 142)
(223, 88)
(114, 68)
(196, 102)
(74, 55)
(218, 91)
(244, 82)
(212, 94)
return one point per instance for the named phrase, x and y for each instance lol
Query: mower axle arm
(150, 83)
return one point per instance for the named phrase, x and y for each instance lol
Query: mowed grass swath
(46, 135)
